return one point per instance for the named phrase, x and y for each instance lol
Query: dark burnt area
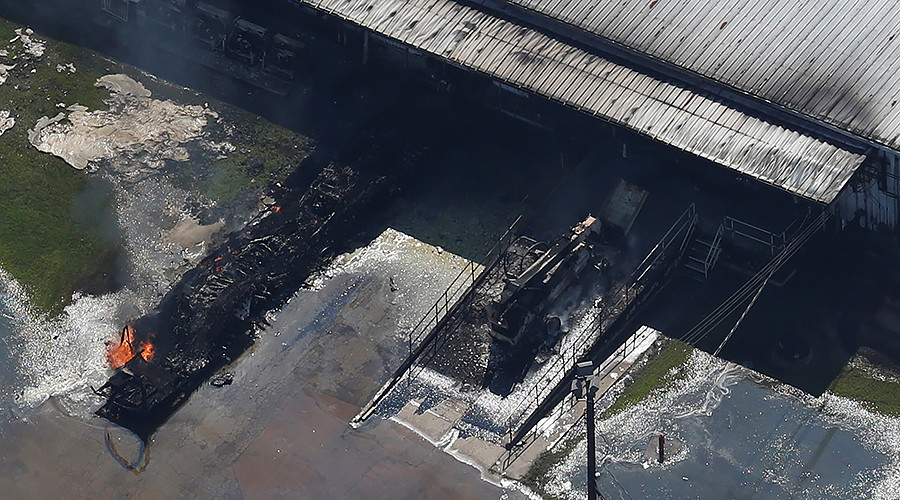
(207, 320)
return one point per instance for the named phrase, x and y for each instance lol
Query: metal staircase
(701, 256)
(116, 8)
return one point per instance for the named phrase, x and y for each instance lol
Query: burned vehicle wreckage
(535, 274)
(206, 320)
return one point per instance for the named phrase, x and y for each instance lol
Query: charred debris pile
(207, 319)
(512, 319)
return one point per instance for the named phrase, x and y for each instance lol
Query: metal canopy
(674, 115)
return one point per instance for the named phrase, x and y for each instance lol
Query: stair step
(695, 259)
(698, 252)
(694, 267)
(707, 245)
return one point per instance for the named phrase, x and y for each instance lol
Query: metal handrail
(119, 11)
(714, 249)
(419, 337)
(620, 298)
(569, 401)
(687, 219)
(775, 242)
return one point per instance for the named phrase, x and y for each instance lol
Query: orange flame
(120, 353)
(146, 350)
(275, 208)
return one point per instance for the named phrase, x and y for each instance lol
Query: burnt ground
(354, 108)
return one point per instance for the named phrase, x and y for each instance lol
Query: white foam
(707, 383)
(63, 355)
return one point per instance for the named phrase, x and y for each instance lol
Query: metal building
(799, 95)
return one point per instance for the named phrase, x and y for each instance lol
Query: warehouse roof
(670, 113)
(837, 61)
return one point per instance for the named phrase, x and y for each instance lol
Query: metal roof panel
(831, 60)
(670, 113)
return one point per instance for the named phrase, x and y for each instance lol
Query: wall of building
(872, 199)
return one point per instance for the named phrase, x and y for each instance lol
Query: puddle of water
(742, 436)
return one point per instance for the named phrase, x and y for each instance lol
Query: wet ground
(281, 427)
(280, 430)
(739, 435)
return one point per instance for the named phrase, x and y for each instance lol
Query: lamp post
(584, 386)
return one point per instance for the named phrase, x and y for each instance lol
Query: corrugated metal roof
(671, 114)
(837, 61)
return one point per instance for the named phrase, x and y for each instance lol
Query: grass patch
(43, 243)
(864, 382)
(260, 152)
(48, 242)
(538, 474)
(655, 374)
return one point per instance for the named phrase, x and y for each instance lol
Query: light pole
(585, 386)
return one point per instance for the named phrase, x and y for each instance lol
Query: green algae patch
(657, 373)
(244, 152)
(876, 387)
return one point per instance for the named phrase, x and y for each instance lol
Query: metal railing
(681, 230)
(569, 401)
(428, 335)
(736, 227)
(715, 248)
(619, 303)
(116, 8)
(452, 299)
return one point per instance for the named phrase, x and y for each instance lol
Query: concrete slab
(281, 429)
(433, 423)
(477, 452)
(308, 451)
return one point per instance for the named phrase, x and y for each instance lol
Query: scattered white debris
(33, 47)
(68, 67)
(6, 121)
(4, 72)
(220, 149)
(135, 125)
